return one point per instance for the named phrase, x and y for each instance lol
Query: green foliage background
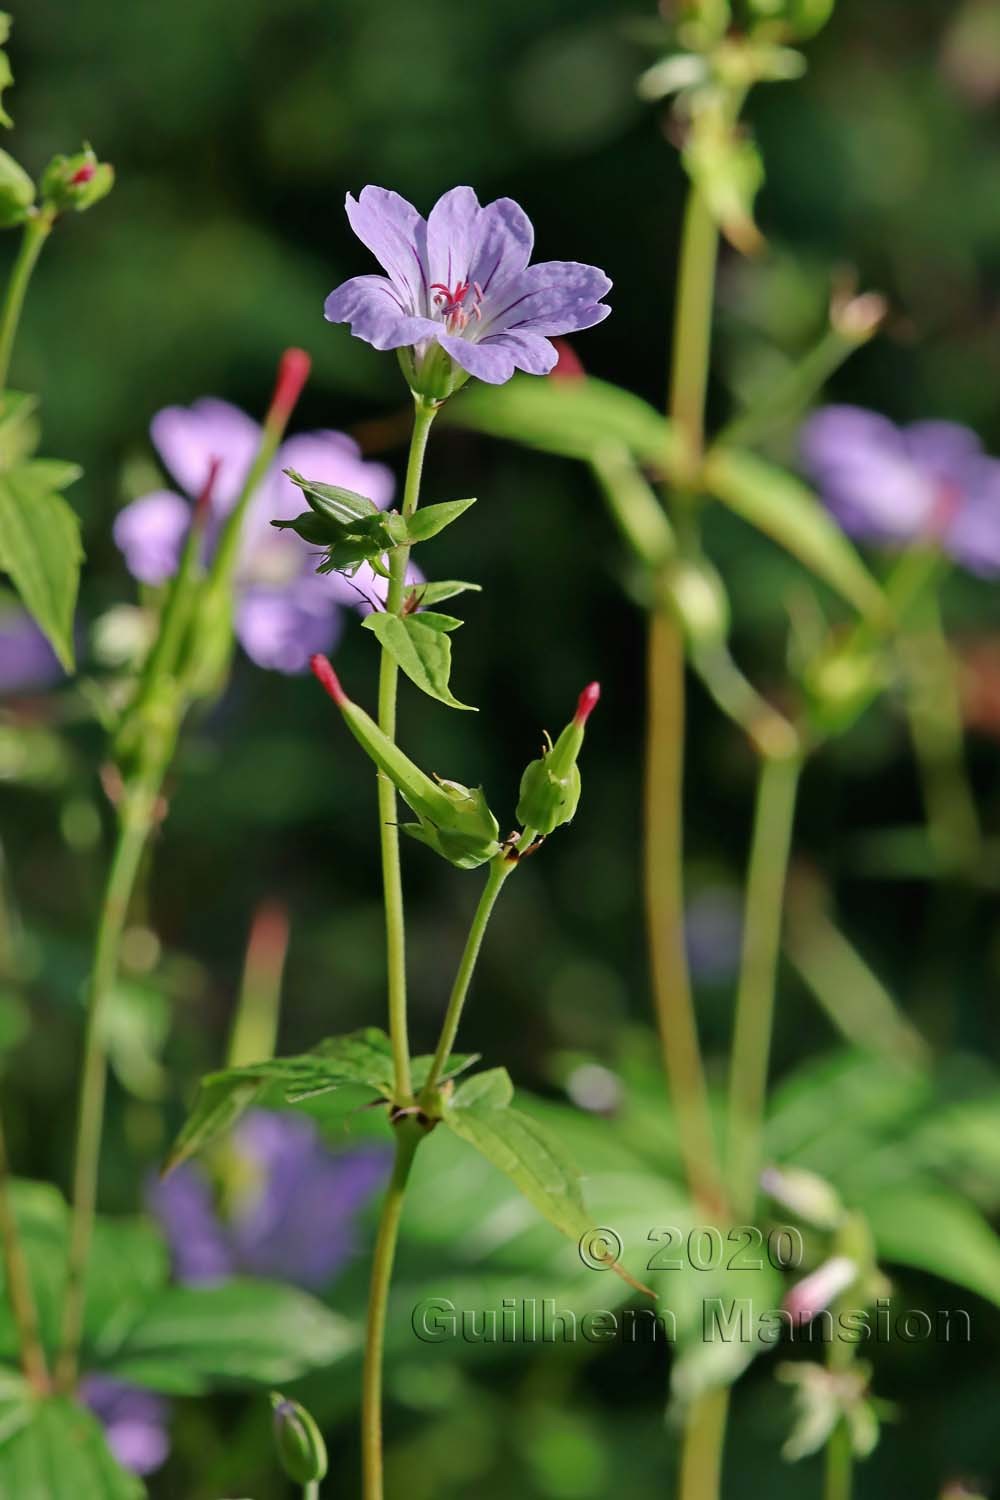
(235, 130)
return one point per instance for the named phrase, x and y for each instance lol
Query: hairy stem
(137, 817)
(774, 817)
(20, 1294)
(36, 232)
(392, 884)
(500, 868)
(407, 1139)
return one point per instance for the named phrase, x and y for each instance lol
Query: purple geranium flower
(291, 1206)
(134, 1421)
(27, 661)
(284, 610)
(460, 280)
(930, 481)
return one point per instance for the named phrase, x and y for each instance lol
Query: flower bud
(301, 1449)
(76, 182)
(821, 1287)
(455, 820)
(812, 1199)
(550, 786)
(17, 192)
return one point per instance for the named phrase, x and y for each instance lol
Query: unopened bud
(293, 372)
(801, 18)
(76, 182)
(858, 318)
(812, 1199)
(301, 1449)
(816, 1291)
(17, 192)
(550, 786)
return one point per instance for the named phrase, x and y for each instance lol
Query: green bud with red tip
(301, 1449)
(454, 820)
(550, 786)
(76, 182)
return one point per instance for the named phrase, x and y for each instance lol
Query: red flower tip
(293, 372)
(268, 942)
(328, 679)
(569, 365)
(83, 174)
(587, 702)
(203, 504)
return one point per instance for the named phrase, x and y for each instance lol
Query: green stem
(704, 1442)
(36, 232)
(137, 819)
(407, 1139)
(751, 1047)
(693, 327)
(787, 399)
(392, 884)
(500, 868)
(839, 1464)
(311, 1490)
(20, 1294)
(665, 913)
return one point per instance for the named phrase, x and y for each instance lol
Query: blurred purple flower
(284, 610)
(134, 1421)
(292, 1208)
(27, 661)
(461, 279)
(930, 481)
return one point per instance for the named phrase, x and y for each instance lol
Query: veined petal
(374, 308)
(489, 360)
(397, 236)
(504, 243)
(556, 296)
(860, 464)
(532, 352)
(452, 235)
(188, 438)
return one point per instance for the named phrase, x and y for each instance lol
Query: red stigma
(450, 303)
(203, 504)
(587, 702)
(293, 372)
(328, 680)
(83, 174)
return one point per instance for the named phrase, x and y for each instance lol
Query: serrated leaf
(190, 1338)
(420, 650)
(51, 473)
(783, 508)
(437, 592)
(18, 427)
(431, 519)
(41, 550)
(574, 418)
(53, 1447)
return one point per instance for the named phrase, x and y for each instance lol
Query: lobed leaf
(419, 645)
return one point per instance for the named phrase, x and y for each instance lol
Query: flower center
(450, 302)
(947, 501)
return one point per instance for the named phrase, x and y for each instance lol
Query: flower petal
(505, 240)
(973, 535)
(375, 309)
(281, 628)
(397, 236)
(946, 449)
(452, 236)
(491, 361)
(150, 535)
(556, 296)
(531, 351)
(188, 438)
(860, 464)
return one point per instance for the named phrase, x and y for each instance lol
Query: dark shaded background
(235, 130)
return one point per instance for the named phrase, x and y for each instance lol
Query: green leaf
(434, 518)
(40, 549)
(520, 1147)
(52, 1447)
(419, 648)
(50, 473)
(575, 418)
(361, 1057)
(437, 592)
(933, 1230)
(332, 500)
(18, 427)
(190, 1338)
(780, 505)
